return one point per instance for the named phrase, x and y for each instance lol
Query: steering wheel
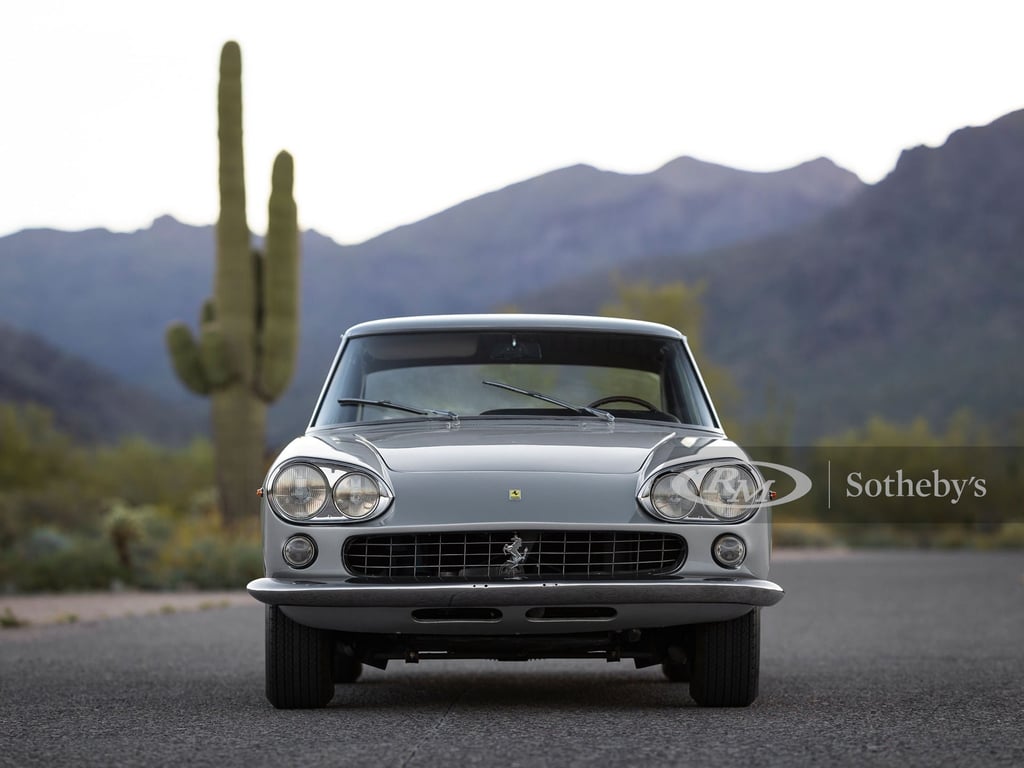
(624, 399)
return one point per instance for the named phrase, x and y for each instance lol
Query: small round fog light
(729, 551)
(299, 551)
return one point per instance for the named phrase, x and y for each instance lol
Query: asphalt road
(871, 659)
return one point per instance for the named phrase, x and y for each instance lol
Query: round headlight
(299, 551)
(300, 491)
(674, 496)
(729, 492)
(356, 495)
(729, 551)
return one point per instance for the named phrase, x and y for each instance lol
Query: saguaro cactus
(245, 353)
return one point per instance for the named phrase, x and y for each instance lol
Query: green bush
(84, 563)
(75, 517)
(204, 553)
(806, 534)
(139, 473)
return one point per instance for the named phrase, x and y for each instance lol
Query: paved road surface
(871, 659)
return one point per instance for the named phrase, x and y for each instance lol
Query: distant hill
(907, 301)
(108, 297)
(497, 246)
(87, 402)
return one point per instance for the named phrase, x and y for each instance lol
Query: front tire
(726, 662)
(299, 674)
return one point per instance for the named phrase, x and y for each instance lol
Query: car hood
(568, 446)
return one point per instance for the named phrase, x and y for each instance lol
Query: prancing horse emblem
(516, 553)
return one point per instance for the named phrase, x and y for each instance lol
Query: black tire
(299, 674)
(726, 662)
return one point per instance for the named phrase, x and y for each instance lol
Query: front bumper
(506, 608)
(732, 591)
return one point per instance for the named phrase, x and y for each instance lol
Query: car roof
(511, 322)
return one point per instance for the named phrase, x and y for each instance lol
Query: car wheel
(726, 662)
(299, 674)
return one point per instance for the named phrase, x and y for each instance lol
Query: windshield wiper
(584, 409)
(451, 415)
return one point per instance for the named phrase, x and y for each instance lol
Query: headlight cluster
(704, 492)
(304, 492)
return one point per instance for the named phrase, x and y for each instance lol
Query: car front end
(475, 524)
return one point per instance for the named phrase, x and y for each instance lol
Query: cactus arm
(214, 353)
(208, 313)
(280, 285)
(216, 357)
(235, 288)
(185, 359)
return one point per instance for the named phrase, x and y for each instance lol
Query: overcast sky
(397, 110)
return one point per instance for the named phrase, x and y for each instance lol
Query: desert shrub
(32, 450)
(78, 517)
(1010, 536)
(203, 552)
(1006, 536)
(138, 473)
(805, 534)
(79, 563)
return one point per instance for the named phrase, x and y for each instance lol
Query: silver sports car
(514, 487)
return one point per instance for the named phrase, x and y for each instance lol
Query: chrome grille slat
(475, 555)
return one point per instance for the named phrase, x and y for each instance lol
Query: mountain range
(87, 402)
(107, 297)
(908, 301)
(835, 299)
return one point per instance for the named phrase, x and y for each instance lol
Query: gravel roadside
(34, 610)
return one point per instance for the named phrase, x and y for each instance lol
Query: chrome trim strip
(739, 591)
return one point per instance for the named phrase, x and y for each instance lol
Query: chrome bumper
(684, 591)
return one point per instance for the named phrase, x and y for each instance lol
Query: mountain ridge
(908, 293)
(847, 300)
(109, 296)
(86, 401)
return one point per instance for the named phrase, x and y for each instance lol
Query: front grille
(478, 555)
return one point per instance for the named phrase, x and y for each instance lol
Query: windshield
(455, 373)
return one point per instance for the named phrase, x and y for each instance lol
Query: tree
(677, 305)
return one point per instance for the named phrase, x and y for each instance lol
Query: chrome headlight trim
(730, 491)
(353, 499)
(312, 552)
(333, 473)
(674, 496)
(729, 551)
(299, 491)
